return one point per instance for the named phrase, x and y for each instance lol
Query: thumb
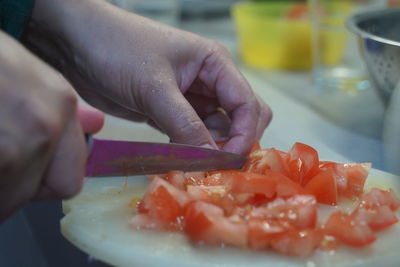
(91, 119)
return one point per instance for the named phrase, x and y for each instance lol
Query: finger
(264, 118)
(173, 113)
(218, 124)
(91, 119)
(236, 98)
(64, 176)
(115, 109)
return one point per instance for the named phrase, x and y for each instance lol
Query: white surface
(97, 221)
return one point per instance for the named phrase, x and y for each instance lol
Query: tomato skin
(323, 187)
(349, 231)
(303, 163)
(243, 182)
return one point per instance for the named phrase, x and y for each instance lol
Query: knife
(123, 158)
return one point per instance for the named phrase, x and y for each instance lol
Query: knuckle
(67, 98)
(190, 127)
(219, 48)
(190, 132)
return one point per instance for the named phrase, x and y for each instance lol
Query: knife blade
(123, 158)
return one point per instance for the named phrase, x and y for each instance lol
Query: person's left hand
(138, 69)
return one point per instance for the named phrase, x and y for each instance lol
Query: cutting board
(97, 221)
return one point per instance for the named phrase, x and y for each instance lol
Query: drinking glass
(337, 63)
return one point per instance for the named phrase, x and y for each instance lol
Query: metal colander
(379, 41)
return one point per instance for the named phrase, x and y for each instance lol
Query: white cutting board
(97, 221)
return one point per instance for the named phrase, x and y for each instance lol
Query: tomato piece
(176, 178)
(217, 195)
(351, 232)
(377, 209)
(267, 159)
(378, 217)
(206, 223)
(303, 163)
(244, 182)
(323, 187)
(378, 197)
(165, 203)
(262, 231)
(350, 177)
(285, 187)
(215, 178)
(356, 175)
(299, 243)
(299, 211)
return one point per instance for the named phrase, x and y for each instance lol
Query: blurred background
(298, 54)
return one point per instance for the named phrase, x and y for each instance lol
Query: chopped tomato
(299, 211)
(350, 177)
(267, 159)
(379, 197)
(303, 163)
(323, 187)
(262, 231)
(300, 243)
(270, 203)
(351, 232)
(285, 187)
(164, 203)
(377, 217)
(177, 178)
(242, 182)
(356, 174)
(206, 223)
(377, 209)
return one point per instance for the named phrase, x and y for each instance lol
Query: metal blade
(122, 158)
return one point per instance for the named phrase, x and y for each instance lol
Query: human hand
(42, 149)
(141, 70)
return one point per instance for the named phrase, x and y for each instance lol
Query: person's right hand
(42, 148)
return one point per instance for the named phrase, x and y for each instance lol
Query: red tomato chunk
(270, 204)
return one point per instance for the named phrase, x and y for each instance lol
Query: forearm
(85, 31)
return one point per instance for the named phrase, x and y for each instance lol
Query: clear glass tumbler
(337, 63)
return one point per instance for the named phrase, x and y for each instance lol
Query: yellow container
(270, 39)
